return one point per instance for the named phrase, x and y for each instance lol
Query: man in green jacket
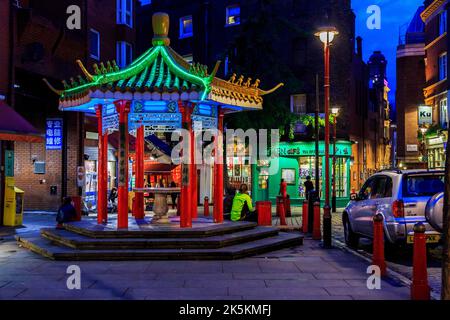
(242, 208)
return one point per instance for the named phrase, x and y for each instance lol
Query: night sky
(394, 15)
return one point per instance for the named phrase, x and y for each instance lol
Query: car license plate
(431, 238)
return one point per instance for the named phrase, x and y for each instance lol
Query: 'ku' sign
(425, 115)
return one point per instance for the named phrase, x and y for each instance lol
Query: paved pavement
(398, 259)
(307, 272)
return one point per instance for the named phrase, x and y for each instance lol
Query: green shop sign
(307, 149)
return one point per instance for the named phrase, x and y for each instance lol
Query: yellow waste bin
(14, 197)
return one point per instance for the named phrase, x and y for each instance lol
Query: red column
(104, 179)
(186, 194)
(193, 175)
(123, 108)
(218, 171)
(101, 191)
(140, 152)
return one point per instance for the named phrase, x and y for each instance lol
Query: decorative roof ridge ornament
(161, 25)
(89, 76)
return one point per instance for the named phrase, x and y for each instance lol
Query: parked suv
(401, 197)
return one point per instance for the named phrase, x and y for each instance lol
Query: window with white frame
(298, 103)
(443, 66)
(94, 44)
(186, 27)
(442, 22)
(233, 15)
(125, 12)
(124, 54)
(443, 113)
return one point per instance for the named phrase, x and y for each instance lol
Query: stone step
(81, 242)
(48, 249)
(145, 230)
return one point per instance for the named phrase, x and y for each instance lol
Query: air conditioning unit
(39, 167)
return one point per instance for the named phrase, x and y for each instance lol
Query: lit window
(443, 66)
(186, 27)
(233, 15)
(94, 41)
(125, 12)
(124, 54)
(442, 22)
(443, 113)
(298, 104)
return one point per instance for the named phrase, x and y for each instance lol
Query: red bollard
(305, 216)
(378, 244)
(317, 234)
(206, 207)
(287, 206)
(76, 201)
(264, 209)
(281, 211)
(420, 290)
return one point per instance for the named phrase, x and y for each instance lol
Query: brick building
(45, 47)
(409, 95)
(436, 86)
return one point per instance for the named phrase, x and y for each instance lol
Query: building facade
(46, 42)
(433, 120)
(409, 95)
(204, 31)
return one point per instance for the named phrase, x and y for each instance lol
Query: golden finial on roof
(96, 69)
(240, 81)
(161, 24)
(233, 78)
(256, 84)
(248, 82)
(65, 85)
(102, 68)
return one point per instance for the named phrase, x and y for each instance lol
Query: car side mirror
(354, 197)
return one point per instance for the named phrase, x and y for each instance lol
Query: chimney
(359, 47)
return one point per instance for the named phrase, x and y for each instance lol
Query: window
(423, 185)
(125, 12)
(443, 22)
(124, 54)
(94, 40)
(233, 15)
(381, 188)
(443, 113)
(443, 66)
(298, 104)
(186, 27)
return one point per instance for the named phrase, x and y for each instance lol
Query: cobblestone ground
(306, 272)
(398, 259)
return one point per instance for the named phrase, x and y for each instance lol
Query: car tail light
(398, 209)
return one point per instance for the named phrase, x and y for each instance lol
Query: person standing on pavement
(66, 212)
(283, 189)
(309, 186)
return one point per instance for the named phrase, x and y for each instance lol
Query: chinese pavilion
(158, 92)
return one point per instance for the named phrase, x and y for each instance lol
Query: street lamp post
(326, 35)
(335, 112)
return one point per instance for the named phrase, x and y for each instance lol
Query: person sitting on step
(242, 209)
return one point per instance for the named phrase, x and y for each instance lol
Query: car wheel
(351, 238)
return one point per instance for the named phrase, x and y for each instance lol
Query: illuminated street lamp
(335, 112)
(327, 35)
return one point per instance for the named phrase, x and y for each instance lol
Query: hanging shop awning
(13, 127)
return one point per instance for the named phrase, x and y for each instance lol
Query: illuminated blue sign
(53, 134)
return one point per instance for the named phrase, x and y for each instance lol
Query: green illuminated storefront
(296, 162)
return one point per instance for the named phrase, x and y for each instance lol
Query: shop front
(296, 162)
(436, 147)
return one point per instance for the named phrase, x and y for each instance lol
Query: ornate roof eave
(431, 9)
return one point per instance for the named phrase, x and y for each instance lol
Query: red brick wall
(37, 194)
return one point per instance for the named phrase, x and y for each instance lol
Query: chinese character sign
(54, 134)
